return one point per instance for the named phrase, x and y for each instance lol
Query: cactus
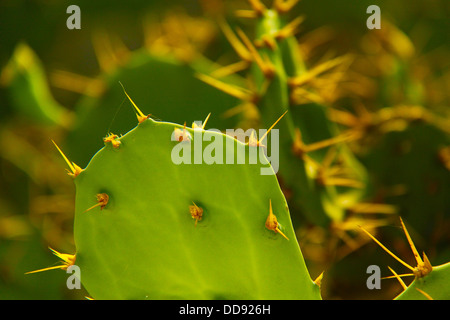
(363, 139)
(140, 240)
(430, 282)
(318, 171)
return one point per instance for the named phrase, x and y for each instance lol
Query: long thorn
(234, 91)
(206, 120)
(386, 249)
(267, 132)
(65, 158)
(240, 49)
(266, 66)
(411, 244)
(398, 278)
(141, 117)
(425, 294)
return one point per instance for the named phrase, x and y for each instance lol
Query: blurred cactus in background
(364, 124)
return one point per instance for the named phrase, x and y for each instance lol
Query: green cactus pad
(144, 243)
(433, 286)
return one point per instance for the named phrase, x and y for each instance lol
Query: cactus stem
(102, 201)
(112, 139)
(140, 116)
(76, 170)
(196, 212)
(272, 223)
(68, 260)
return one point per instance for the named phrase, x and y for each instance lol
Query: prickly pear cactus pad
(184, 231)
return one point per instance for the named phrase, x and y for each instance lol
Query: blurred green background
(37, 198)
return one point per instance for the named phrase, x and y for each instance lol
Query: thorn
(102, 199)
(426, 262)
(68, 260)
(243, 107)
(299, 148)
(206, 120)
(195, 126)
(343, 182)
(272, 223)
(266, 66)
(233, 91)
(411, 244)
(257, 6)
(77, 83)
(423, 267)
(314, 72)
(112, 139)
(182, 135)
(344, 137)
(196, 212)
(248, 14)
(379, 208)
(318, 280)
(425, 294)
(140, 116)
(290, 29)
(230, 69)
(301, 96)
(283, 6)
(273, 125)
(386, 249)
(398, 278)
(76, 170)
(240, 49)
(253, 142)
(266, 41)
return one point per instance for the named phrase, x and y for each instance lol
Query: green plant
(140, 241)
(349, 155)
